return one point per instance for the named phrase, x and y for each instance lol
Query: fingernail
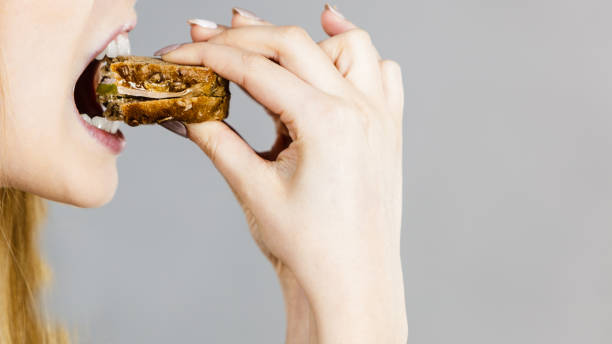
(334, 10)
(245, 13)
(207, 24)
(175, 127)
(165, 50)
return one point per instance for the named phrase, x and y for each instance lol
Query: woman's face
(47, 148)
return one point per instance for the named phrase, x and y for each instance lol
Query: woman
(324, 204)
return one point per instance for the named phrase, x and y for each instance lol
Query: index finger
(273, 86)
(203, 30)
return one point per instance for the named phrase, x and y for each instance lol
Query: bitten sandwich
(144, 90)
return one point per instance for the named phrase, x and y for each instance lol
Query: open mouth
(85, 96)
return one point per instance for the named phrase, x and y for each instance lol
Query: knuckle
(222, 38)
(252, 60)
(359, 37)
(392, 66)
(294, 33)
(210, 146)
(391, 69)
(213, 149)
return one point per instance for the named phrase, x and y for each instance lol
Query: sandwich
(144, 90)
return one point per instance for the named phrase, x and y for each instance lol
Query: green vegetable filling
(106, 89)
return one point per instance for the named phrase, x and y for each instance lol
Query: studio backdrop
(507, 223)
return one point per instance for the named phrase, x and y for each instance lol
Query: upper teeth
(119, 46)
(102, 123)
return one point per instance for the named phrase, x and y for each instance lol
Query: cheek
(61, 163)
(48, 152)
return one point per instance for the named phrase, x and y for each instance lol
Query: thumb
(334, 22)
(239, 164)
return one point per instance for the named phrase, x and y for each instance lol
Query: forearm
(301, 326)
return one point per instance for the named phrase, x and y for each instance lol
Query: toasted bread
(143, 90)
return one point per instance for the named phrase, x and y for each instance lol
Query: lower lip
(114, 142)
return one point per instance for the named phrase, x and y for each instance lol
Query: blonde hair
(22, 272)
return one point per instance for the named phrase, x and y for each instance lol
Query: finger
(232, 156)
(271, 85)
(356, 59)
(292, 48)
(242, 17)
(393, 85)
(334, 22)
(202, 29)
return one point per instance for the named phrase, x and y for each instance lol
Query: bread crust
(191, 94)
(186, 110)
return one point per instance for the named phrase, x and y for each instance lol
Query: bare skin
(43, 147)
(325, 203)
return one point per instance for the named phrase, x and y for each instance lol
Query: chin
(82, 193)
(95, 196)
(95, 200)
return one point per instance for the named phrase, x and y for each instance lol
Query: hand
(328, 203)
(299, 318)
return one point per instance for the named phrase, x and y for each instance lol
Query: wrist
(367, 306)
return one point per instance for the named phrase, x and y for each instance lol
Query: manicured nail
(334, 10)
(175, 127)
(165, 50)
(207, 24)
(245, 13)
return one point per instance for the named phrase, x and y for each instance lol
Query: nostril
(85, 96)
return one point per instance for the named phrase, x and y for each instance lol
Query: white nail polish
(334, 10)
(207, 24)
(245, 13)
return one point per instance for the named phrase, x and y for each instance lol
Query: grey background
(508, 188)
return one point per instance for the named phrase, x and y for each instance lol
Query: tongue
(85, 91)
